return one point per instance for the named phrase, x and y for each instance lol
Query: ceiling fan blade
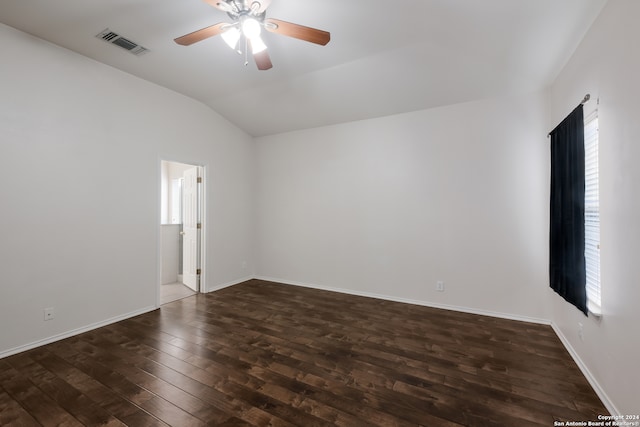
(301, 32)
(202, 34)
(263, 61)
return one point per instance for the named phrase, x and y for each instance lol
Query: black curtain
(567, 271)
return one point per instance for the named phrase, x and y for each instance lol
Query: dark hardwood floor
(262, 353)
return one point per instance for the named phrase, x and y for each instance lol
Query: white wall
(80, 151)
(389, 206)
(606, 65)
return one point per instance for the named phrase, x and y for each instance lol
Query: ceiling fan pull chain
(246, 50)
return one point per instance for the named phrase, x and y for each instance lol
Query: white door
(190, 229)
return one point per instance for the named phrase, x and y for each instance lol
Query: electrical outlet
(580, 331)
(48, 313)
(440, 286)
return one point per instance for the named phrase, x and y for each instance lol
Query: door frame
(202, 288)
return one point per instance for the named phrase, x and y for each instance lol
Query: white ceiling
(384, 57)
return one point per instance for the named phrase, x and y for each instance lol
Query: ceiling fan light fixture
(250, 28)
(257, 45)
(231, 37)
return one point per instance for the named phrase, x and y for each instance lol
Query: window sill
(594, 310)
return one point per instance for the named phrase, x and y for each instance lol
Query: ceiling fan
(249, 17)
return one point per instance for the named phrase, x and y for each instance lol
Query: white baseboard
(412, 301)
(574, 355)
(73, 332)
(586, 372)
(226, 285)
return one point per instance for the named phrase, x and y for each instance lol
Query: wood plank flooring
(267, 354)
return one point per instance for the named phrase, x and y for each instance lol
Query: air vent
(114, 38)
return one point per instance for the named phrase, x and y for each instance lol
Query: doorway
(181, 242)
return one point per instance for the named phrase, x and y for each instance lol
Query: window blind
(592, 213)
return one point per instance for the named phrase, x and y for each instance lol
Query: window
(592, 213)
(176, 201)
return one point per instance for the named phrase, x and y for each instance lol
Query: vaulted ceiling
(384, 57)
